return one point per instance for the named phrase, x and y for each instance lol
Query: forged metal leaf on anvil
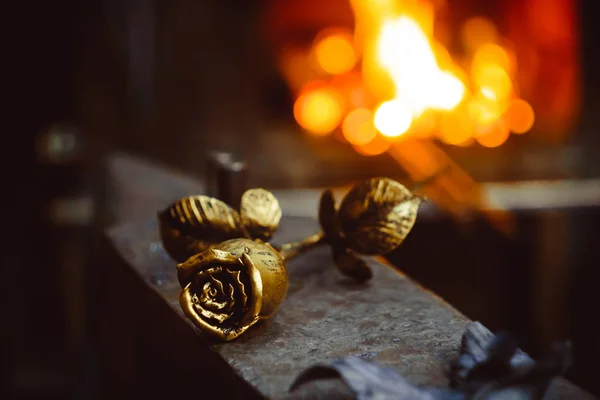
(530, 381)
(476, 353)
(490, 374)
(194, 223)
(179, 246)
(495, 362)
(203, 215)
(327, 215)
(492, 367)
(350, 264)
(368, 381)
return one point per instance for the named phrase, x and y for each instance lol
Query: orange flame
(404, 51)
(412, 91)
(410, 75)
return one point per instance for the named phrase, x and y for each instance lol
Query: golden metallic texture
(374, 218)
(231, 278)
(195, 223)
(376, 215)
(231, 286)
(260, 213)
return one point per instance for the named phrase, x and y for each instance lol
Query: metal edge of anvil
(222, 349)
(561, 388)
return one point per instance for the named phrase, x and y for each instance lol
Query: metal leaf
(481, 350)
(368, 381)
(492, 367)
(376, 215)
(522, 379)
(352, 265)
(260, 213)
(180, 247)
(193, 223)
(328, 216)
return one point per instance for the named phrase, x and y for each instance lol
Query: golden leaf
(194, 223)
(351, 265)
(328, 216)
(260, 213)
(376, 215)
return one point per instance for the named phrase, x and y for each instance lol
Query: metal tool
(226, 177)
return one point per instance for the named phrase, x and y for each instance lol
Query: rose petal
(256, 288)
(207, 273)
(231, 296)
(220, 288)
(188, 304)
(186, 270)
(196, 315)
(208, 302)
(237, 275)
(212, 315)
(238, 302)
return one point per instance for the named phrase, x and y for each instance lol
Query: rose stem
(291, 250)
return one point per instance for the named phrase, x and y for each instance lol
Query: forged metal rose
(231, 286)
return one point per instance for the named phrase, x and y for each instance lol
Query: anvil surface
(390, 320)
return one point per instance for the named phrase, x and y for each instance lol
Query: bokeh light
(405, 51)
(392, 118)
(493, 135)
(319, 111)
(335, 53)
(424, 125)
(483, 110)
(429, 93)
(375, 147)
(455, 128)
(478, 31)
(450, 91)
(520, 116)
(358, 127)
(492, 54)
(494, 79)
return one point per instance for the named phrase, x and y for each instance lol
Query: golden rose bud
(376, 215)
(228, 288)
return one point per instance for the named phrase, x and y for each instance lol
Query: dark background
(169, 80)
